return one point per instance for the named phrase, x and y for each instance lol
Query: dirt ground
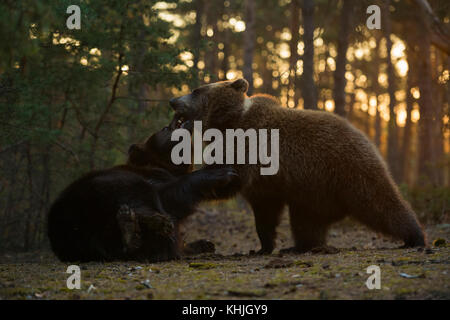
(231, 273)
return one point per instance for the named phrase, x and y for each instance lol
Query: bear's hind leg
(129, 228)
(398, 222)
(389, 214)
(308, 231)
(267, 213)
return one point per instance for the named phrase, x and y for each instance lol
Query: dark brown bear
(133, 211)
(327, 168)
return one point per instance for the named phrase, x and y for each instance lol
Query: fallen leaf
(91, 287)
(410, 276)
(439, 242)
(147, 284)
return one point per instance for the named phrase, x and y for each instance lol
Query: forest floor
(231, 273)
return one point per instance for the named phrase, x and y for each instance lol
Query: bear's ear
(240, 85)
(137, 155)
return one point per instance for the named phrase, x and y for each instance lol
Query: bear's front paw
(224, 176)
(226, 183)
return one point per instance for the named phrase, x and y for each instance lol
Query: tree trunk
(377, 137)
(249, 43)
(211, 59)
(28, 235)
(309, 87)
(226, 53)
(426, 155)
(368, 124)
(45, 198)
(438, 94)
(341, 60)
(406, 141)
(392, 150)
(295, 25)
(447, 126)
(197, 37)
(376, 91)
(351, 107)
(437, 31)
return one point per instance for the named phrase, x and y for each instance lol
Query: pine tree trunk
(426, 152)
(447, 126)
(309, 87)
(224, 66)
(406, 141)
(438, 90)
(211, 59)
(377, 137)
(376, 91)
(249, 43)
(411, 81)
(341, 60)
(197, 37)
(392, 150)
(295, 25)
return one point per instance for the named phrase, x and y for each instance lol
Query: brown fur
(328, 169)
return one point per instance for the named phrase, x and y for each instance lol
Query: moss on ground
(232, 273)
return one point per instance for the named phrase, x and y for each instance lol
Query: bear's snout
(176, 103)
(132, 149)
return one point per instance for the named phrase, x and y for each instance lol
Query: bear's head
(155, 152)
(217, 104)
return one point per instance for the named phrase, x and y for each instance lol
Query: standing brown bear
(328, 169)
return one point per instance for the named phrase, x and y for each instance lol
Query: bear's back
(264, 111)
(311, 143)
